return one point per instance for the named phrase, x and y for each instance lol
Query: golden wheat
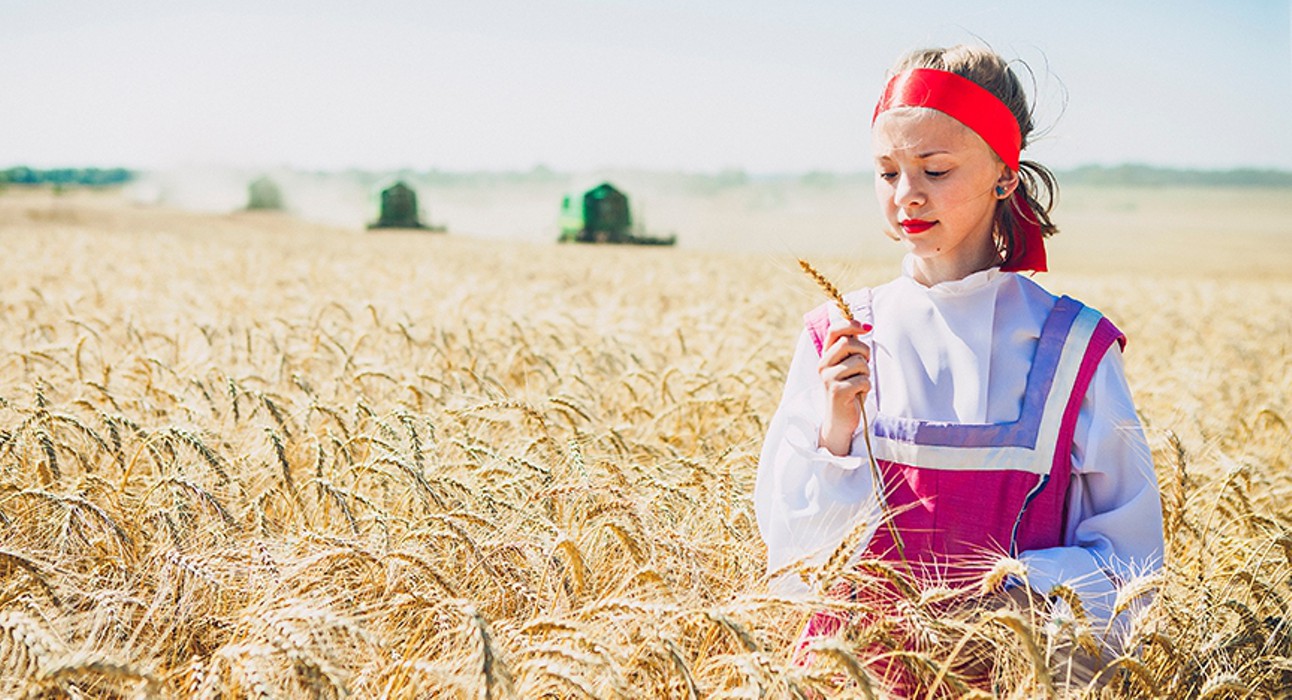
(384, 469)
(831, 291)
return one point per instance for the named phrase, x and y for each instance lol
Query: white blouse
(961, 351)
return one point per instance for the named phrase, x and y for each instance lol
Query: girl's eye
(936, 173)
(889, 176)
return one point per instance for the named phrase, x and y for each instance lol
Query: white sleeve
(807, 499)
(1114, 525)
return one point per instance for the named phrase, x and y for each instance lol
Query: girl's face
(936, 183)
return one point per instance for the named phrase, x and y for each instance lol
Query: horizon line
(543, 169)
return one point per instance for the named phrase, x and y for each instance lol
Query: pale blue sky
(768, 86)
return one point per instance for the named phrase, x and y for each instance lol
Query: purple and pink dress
(1002, 425)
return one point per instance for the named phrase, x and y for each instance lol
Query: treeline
(1129, 175)
(1134, 175)
(85, 177)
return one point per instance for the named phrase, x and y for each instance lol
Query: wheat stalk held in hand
(833, 292)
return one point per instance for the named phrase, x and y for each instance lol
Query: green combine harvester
(601, 215)
(263, 195)
(399, 210)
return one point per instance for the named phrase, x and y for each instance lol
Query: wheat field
(245, 456)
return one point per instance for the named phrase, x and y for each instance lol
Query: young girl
(999, 414)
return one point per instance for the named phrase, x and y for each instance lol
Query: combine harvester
(601, 215)
(399, 210)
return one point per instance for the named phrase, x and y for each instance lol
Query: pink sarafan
(961, 495)
(960, 491)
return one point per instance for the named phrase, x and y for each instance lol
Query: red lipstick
(917, 225)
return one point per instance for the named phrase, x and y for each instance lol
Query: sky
(765, 86)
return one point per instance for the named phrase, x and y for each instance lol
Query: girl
(1001, 422)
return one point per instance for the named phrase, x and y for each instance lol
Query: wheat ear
(833, 292)
(828, 287)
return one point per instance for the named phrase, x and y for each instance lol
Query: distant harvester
(399, 210)
(264, 195)
(602, 215)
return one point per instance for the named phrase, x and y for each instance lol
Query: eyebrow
(925, 154)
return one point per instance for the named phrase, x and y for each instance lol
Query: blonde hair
(1036, 183)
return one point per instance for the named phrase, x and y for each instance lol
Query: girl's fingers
(848, 388)
(844, 346)
(848, 379)
(851, 366)
(850, 328)
(845, 364)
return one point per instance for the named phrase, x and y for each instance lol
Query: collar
(968, 284)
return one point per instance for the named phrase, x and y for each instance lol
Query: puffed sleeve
(1114, 526)
(806, 499)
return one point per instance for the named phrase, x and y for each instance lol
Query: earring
(1000, 191)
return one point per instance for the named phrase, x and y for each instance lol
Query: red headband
(974, 106)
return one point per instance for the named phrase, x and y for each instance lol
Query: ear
(1006, 184)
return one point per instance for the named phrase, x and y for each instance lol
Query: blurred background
(734, 125)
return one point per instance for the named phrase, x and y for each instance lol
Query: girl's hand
(845, 371)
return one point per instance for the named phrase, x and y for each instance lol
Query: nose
(907, 193)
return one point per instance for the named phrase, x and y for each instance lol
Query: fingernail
(866, 328)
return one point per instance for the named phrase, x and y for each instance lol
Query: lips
(917, 225)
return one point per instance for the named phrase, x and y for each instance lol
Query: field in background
(1205, 229)
(250, 455)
